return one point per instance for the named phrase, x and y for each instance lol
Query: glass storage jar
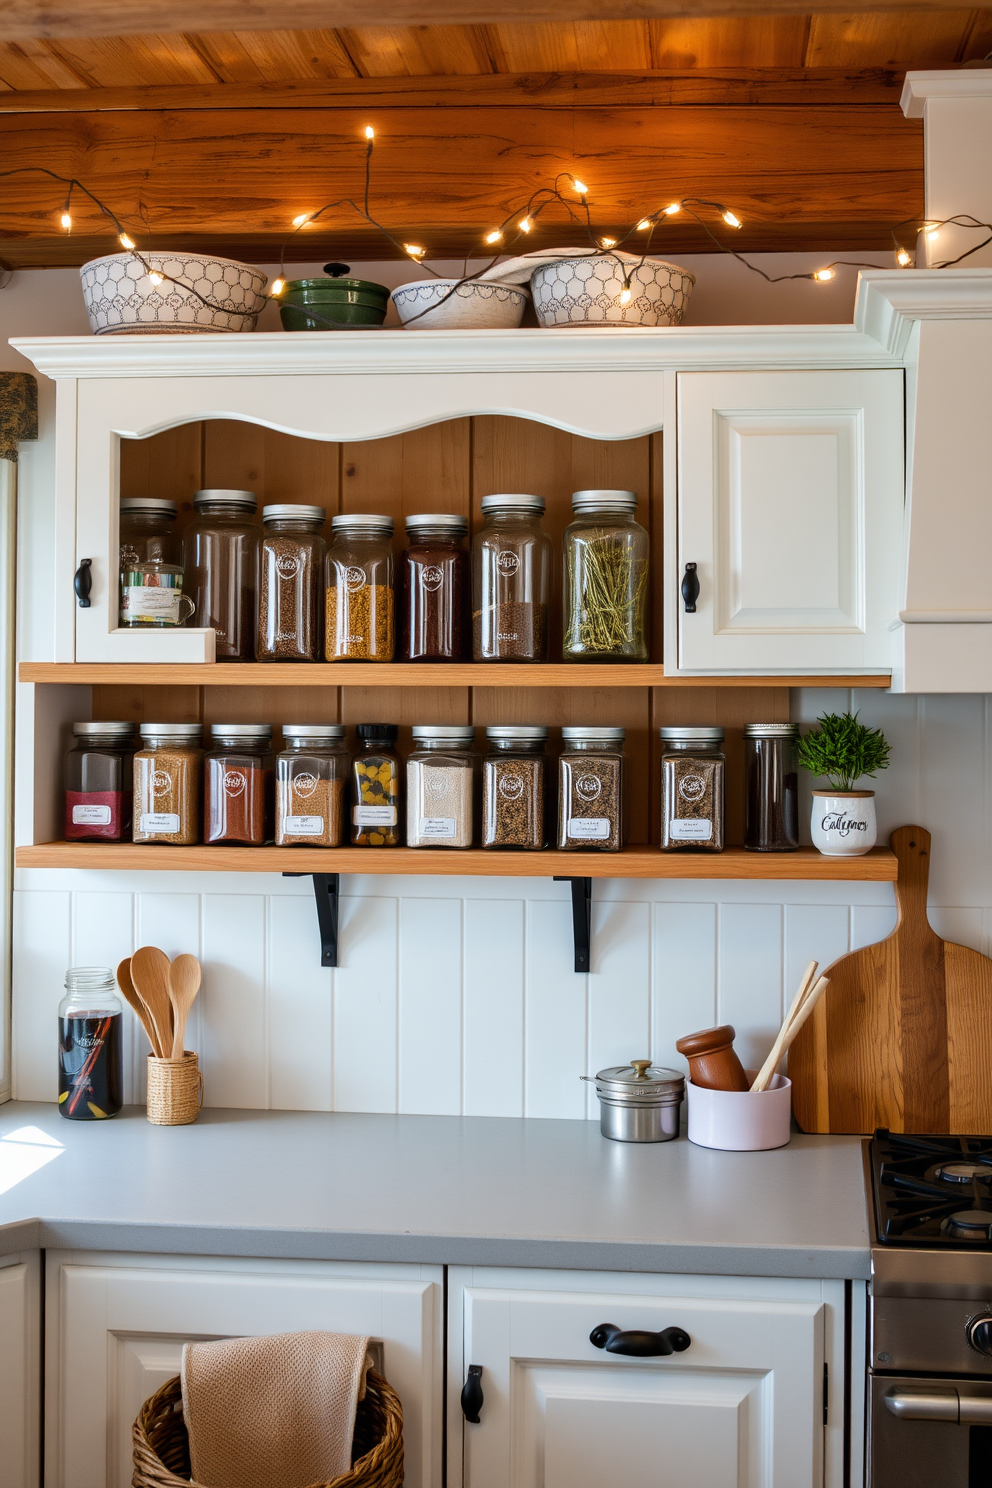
(311, 779)
(440, 786)
(219, 557)
(91, 1064)
(147, 531)
(605, 579)
(692, 789)
(168, 770)
(375, 809)
(359, 592)
(290, 583)
(238, 785)
(771, 801)
(591, 789)
(434, 585)
(152, 596)
(98, 785)
(511, 575)
(514, 787)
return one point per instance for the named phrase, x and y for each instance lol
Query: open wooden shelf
(878, 866)
(404, 674)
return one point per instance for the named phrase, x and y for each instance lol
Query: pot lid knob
(337, 270)
(641, 1066)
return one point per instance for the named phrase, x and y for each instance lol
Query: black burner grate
(933, 1191)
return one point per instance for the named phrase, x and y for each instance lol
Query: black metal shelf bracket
(581, 919)
(327, 893)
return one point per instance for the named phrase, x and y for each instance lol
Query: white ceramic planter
(736, 1120)
(842, 824)
(474, 306)
(121, 299)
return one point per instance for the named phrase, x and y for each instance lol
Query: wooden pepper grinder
(713, 1063)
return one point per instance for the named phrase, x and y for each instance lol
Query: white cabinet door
(790, 504)
(741, 1407)
(117, 1324)
(20, 1369)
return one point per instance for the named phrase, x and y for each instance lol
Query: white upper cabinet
(790, 506)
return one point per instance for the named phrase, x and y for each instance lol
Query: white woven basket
(121, 298)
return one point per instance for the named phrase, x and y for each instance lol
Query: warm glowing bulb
(524, 224)
(823, 275)
(644, 224)
(671, 210)
(903, 258)
(126, 242)
(731, 219)
(278, 285)
(299, 221)
(932, 232)
(155, 277)
(369, 132)
(580, 187)
(625, 294)
(413, 250)
(495, 236)
(66, 221)
(608, 242)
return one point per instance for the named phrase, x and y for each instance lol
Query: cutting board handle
(911, 846)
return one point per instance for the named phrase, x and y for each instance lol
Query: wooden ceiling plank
(133, 61)
(978, 42)
(896, 39)
(539, 48)
(31, 64)
(417, 51)
(604, 46)
(760, 41)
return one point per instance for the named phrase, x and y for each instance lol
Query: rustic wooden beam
(720, 87)
(25, 18)
(823, 177)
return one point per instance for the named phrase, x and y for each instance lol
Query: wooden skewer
(768, 1068)
(805, 1011)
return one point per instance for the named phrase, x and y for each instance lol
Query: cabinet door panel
(790, 504)
(20, 1368)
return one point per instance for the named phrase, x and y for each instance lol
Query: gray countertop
(442, 1189)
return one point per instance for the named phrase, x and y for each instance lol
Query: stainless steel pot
(639, 1102)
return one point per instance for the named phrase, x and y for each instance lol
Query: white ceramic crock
(447, 305)
(589, 291)
(842, 824)
(121, 299)
(739, 1121)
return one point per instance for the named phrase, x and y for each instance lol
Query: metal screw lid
(156, 506)
(237, 500)
(460, 731)
(115, 730)
(377, 733)
(523, 731)
(671, 733)
(771, 730)
(171, 730)
(603, 735)
(313, 732)
(515, 501)
(604, 501)
(348, 521)
(450, 520)
(288, 511)
(241, 730)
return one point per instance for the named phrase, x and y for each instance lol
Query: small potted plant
(844, 751)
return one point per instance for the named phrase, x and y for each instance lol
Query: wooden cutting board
(903, 1035)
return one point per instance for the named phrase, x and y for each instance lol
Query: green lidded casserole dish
(334, 303)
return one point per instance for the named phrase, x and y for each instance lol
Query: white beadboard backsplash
(456, 995)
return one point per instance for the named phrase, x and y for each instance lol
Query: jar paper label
(436, 826)
(159, 821)
(374, 816)
(303, 826)
(690, 829)
(91, 816)
(589, 828)
(153, 603)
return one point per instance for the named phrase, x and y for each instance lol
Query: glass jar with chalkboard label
(693, 771)
(771, 809)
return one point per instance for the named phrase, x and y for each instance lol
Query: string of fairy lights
(567, 192)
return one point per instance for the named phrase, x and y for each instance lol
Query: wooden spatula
(135, 1003)
(904, 1037)
(184, 983)
(150, 975)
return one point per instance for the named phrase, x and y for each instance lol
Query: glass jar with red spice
(98, 792)
(239, 785)
(435, 579)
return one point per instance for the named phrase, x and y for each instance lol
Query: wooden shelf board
(399, 674)
(878, 866)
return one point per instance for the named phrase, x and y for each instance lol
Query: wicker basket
(161, 1446)
(175, 1090)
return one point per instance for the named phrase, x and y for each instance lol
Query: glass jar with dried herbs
(290, 583)
(590, 789)
(434, 587)
(375, 810)
(311, 780)
(511, 575)
(359, 594)
(440, 786)
(168, 773)
(514, 787)
(692, 789)
(238, 785)
(219, 562)
(605, 579)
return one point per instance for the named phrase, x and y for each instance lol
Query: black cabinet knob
(472, 1396)
(637, 1342)
(82, 582)
(980, 1333)
(690, 588)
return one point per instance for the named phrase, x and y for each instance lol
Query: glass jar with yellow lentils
(375, 811)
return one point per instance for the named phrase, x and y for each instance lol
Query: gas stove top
(932, 1192)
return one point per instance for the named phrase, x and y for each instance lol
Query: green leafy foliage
(843, 750)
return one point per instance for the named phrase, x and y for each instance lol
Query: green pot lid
(335, 273)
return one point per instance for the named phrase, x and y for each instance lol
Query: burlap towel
(272, 1412)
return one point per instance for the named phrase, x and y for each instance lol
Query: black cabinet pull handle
(690, 588)
(82, 582)
(472, 1396)
(639, 1343)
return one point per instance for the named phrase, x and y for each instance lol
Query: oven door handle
(940, 1405)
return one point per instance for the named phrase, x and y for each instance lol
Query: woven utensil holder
(175, 1090)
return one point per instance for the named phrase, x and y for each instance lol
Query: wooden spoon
(135, 1003)
(763, 1076)
(184, 983)
(805, 1008)
(150, 975)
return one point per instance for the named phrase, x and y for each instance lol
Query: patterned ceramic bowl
(473, 306)
(587, 291)
(120, 297)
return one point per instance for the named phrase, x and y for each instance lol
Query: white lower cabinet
(20, 1369)
(741, 1407)
(116, 1326)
